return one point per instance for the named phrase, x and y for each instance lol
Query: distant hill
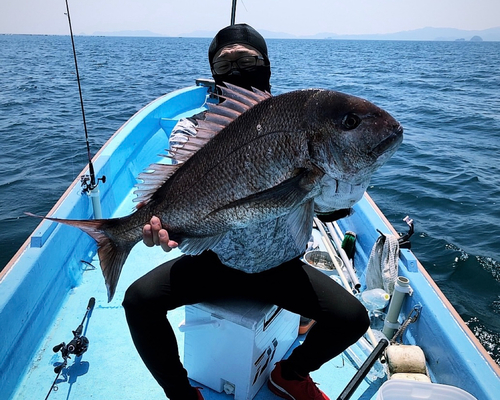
(429, 33)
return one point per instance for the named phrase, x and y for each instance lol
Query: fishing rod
(233, 12)
(89, 183)
(77, 346)
(364, 369)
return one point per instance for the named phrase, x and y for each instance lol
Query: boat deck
(112, 362)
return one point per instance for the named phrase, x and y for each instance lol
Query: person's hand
(154, 235)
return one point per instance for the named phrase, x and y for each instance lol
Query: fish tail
(112, 250)
(112, 256)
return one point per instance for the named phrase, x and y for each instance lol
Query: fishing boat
(61, 339)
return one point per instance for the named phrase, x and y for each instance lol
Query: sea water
(446, 174)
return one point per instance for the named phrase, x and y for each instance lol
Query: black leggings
(340, 318)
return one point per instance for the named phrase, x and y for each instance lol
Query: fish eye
(350, 121)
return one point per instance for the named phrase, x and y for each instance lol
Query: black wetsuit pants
(340, 318)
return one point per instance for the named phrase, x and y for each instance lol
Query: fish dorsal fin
(236, 101)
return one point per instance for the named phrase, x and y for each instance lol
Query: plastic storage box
(414, 390)
(233, 347)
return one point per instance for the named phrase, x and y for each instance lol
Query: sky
(300, 18)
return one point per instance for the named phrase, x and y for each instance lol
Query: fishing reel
(89, 184)
(404, 240)
(77, 346)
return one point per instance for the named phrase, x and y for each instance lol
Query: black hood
(241, 34)
(258, 76)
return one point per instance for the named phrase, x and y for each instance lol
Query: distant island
(472, 39)
(425, 34)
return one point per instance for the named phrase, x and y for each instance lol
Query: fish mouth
(393, 140)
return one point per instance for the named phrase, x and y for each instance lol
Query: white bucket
(322, 261)
(409, 390)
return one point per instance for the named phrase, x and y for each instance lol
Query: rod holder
(401, 288)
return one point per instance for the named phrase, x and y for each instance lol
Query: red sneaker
(200, 397)
(304, 389)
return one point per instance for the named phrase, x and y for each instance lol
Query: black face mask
(257, 77)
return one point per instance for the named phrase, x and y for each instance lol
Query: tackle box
(233, 346)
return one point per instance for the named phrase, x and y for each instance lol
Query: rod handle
(91, 303)
(363, 370)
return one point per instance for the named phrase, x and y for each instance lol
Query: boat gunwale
(442, 297)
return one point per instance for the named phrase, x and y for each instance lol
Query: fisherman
(238, 55)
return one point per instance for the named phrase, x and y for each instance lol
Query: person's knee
(360, 320)
(135, 297)
(352, 318)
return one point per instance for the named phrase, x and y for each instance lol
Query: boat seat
(232, 346)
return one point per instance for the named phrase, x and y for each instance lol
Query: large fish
(255, 158)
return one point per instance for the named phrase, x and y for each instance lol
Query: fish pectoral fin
(270, 203)
(285, 195)
(300, 223)
(197, 245)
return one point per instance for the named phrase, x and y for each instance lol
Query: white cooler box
(233, 346)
